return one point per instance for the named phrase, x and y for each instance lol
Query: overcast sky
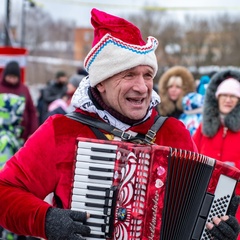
(79, 10)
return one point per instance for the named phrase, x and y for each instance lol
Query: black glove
(64, 224)
(227, 229)
(233, 206)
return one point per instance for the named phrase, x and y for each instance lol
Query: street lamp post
(23, 24)
(7, 24)
(24, 12)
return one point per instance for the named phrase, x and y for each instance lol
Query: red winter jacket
(223, 146)
(45, 165)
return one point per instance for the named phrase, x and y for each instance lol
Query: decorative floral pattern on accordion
(138, 192)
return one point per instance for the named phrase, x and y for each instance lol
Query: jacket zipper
(225, 130)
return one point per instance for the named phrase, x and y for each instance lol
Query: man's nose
(140, 84)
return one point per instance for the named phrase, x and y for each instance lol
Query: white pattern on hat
(111, 56)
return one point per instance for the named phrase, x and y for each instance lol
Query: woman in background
(219, 134)
(173, 85)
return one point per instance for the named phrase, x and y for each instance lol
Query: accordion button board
(221, 201)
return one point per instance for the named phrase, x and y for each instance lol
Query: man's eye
(148, 76)
(128, 75)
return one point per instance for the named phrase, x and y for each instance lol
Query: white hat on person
(229, 86)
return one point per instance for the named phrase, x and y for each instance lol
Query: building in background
(83, 38)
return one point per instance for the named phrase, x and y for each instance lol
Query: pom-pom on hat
(117, 46)
(229, 86)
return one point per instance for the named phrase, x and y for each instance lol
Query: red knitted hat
(117, 46)
(120, 28)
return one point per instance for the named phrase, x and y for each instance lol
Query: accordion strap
(98, 124)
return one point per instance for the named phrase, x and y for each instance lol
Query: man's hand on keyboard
(226, 227)
(66, 224)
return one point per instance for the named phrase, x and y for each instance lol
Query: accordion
(135, 191)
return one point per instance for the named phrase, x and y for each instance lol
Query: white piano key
(98, 145)
(81, 185)
(81, 171)
(89, 152)
(90, 211)
(84, 199)
(96, 220)
(92, 175)
(82, 191)
(86, 165)
(81, 178)
(96, 230)
(80, 206)
(85, 158)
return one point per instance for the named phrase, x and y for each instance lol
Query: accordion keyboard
(93, 189)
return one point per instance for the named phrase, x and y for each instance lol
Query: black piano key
(100, 177)
(97, 236)
(102, 158)
(100, 169)
(95, 149)
(108, 220)
(98, 216)
(107, 211)
(110, 192)
(92, 224)
(109, 233)
(105, 228)
(95, 205)
(94, 188)
(95, 196)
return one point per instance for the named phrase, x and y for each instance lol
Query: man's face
(63, 79)
(12, 79)
(129, 92)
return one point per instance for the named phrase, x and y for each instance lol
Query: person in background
(82, 71)
(18, 117)
(192, 111)
(218, 135)
(203, 84)
(117, 92)
(56, 89)
(173, 85)
(63, 105)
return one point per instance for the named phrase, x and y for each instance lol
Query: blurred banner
(8, 54)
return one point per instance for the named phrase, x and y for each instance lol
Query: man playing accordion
(118, 91)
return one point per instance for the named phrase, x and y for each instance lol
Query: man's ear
(100, 87)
